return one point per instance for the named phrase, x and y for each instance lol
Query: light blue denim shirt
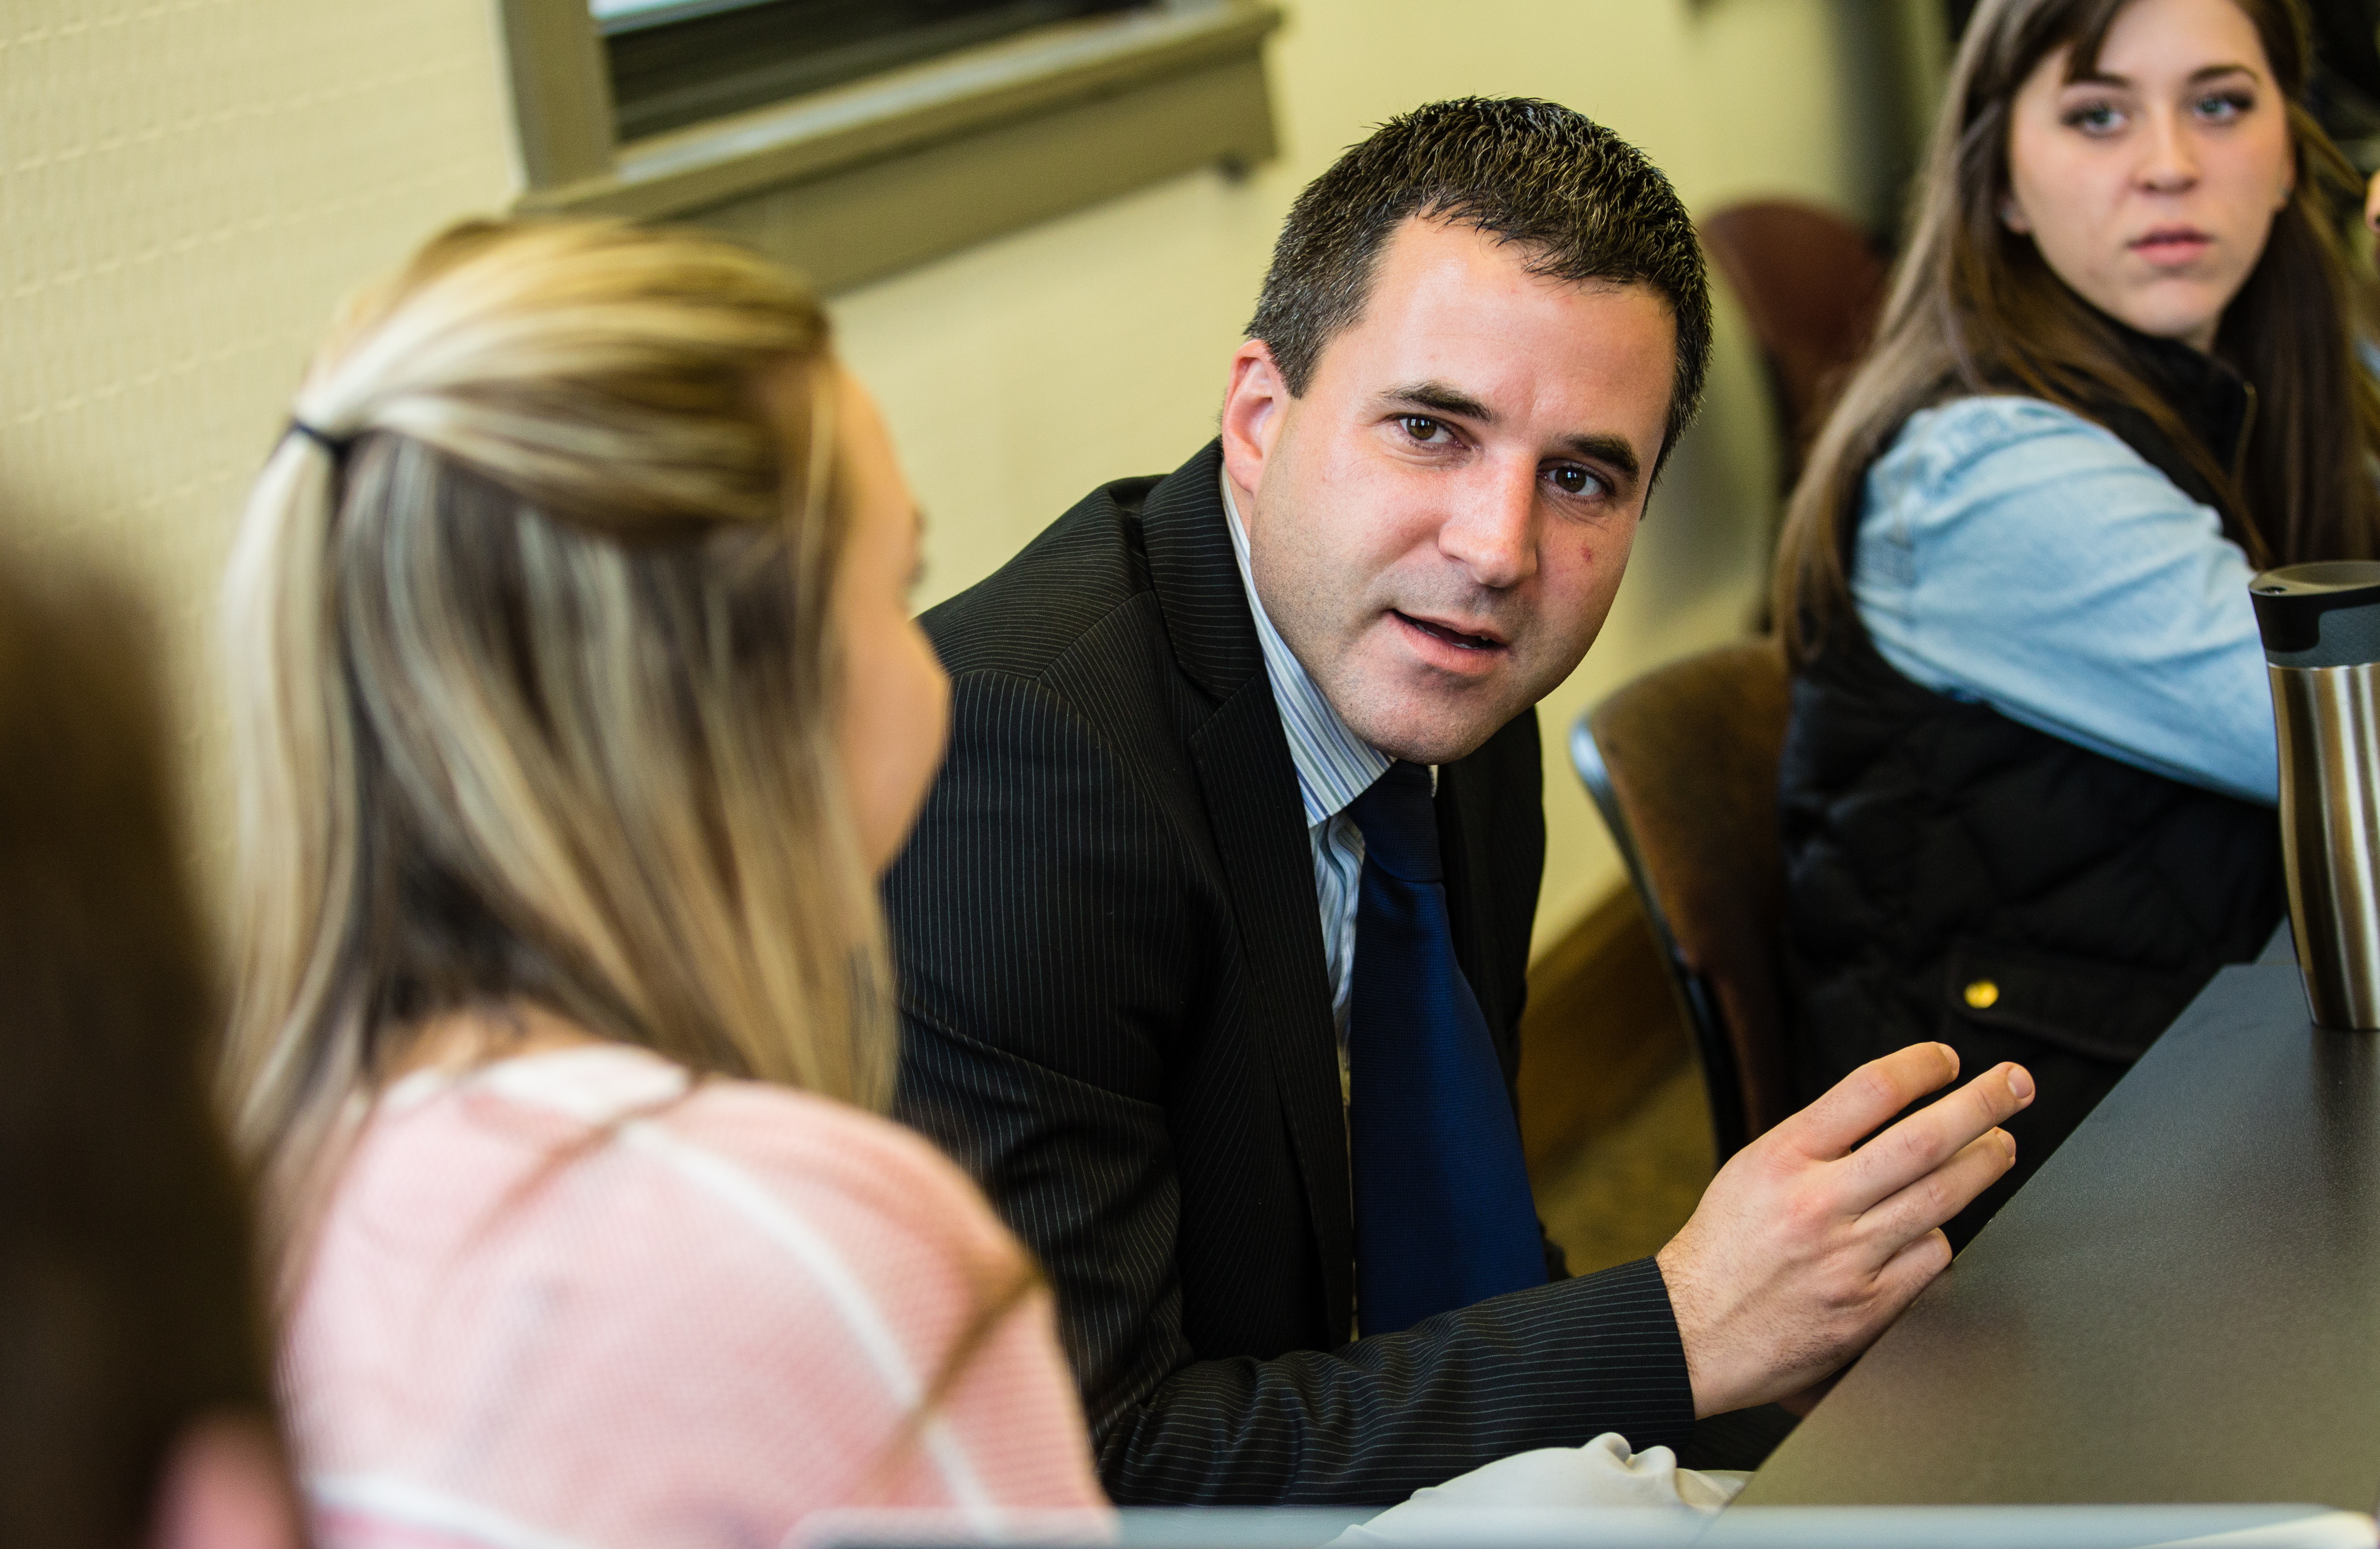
(2015, 553)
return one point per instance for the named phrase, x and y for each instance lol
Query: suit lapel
(1250, 786)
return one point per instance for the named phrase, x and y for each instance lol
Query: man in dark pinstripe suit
(1126, 924)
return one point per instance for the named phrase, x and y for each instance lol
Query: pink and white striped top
(561, 1301)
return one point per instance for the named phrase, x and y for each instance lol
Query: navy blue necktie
(1443, 1215)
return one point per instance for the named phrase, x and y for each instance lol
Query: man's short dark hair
(1583, 203)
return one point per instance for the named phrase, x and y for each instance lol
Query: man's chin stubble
(1439, 735)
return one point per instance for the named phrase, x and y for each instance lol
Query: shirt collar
(1334, 765)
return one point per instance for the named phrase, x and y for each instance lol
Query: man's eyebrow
(1612, 451)
(1440, 398)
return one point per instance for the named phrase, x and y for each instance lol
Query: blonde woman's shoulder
(717, 1161)
(853, 1164)
(714, 1313)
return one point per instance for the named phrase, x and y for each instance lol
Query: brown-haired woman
(2027, 791)
(578, 707)
(134, 1400)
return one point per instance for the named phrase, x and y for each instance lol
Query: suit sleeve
(1054, 952)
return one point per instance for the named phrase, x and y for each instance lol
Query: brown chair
(1811, 284)
(1682, 764)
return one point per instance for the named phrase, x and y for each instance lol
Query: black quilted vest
(1952, 875)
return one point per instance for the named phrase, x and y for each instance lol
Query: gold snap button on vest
(1983, 993)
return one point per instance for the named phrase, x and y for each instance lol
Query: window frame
(858, 181)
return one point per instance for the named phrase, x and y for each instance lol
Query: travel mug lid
(2325, 614)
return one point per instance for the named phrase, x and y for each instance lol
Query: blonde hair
(533, 685)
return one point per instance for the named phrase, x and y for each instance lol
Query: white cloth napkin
(1603, 1473)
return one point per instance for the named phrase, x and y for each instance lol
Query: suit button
(1983, 993)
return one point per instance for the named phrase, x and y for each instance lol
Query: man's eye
(1422, 427)
(1572, 481)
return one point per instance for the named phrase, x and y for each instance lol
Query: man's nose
(1492, 533)
(2170, 162)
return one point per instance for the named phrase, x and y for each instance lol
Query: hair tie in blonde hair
(337, 446)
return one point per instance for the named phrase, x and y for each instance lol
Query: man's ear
(1254, 407)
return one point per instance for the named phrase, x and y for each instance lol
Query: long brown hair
(1973, 309)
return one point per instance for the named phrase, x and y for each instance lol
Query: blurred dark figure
(2345, 91)
(134, 1399)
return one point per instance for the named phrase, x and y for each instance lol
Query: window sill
(858, 182)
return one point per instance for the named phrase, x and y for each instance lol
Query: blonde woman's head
(570, 672)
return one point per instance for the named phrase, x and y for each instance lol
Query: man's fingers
(1940, 1194)
(1857, 1103)
(1910, 1271)
(1931, 1136)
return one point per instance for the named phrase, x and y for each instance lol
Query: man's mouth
(1451, 635)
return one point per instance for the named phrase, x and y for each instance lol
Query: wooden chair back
(1682, 764)
(1811, 284)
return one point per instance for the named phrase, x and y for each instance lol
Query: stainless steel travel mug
(2321, 625)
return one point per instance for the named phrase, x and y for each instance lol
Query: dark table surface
(2182, 1305)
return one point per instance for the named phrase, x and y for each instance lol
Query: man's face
(1437, 527)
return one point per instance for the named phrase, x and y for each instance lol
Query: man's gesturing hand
(1804, 1249)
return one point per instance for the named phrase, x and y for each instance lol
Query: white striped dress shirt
(1334, 767)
